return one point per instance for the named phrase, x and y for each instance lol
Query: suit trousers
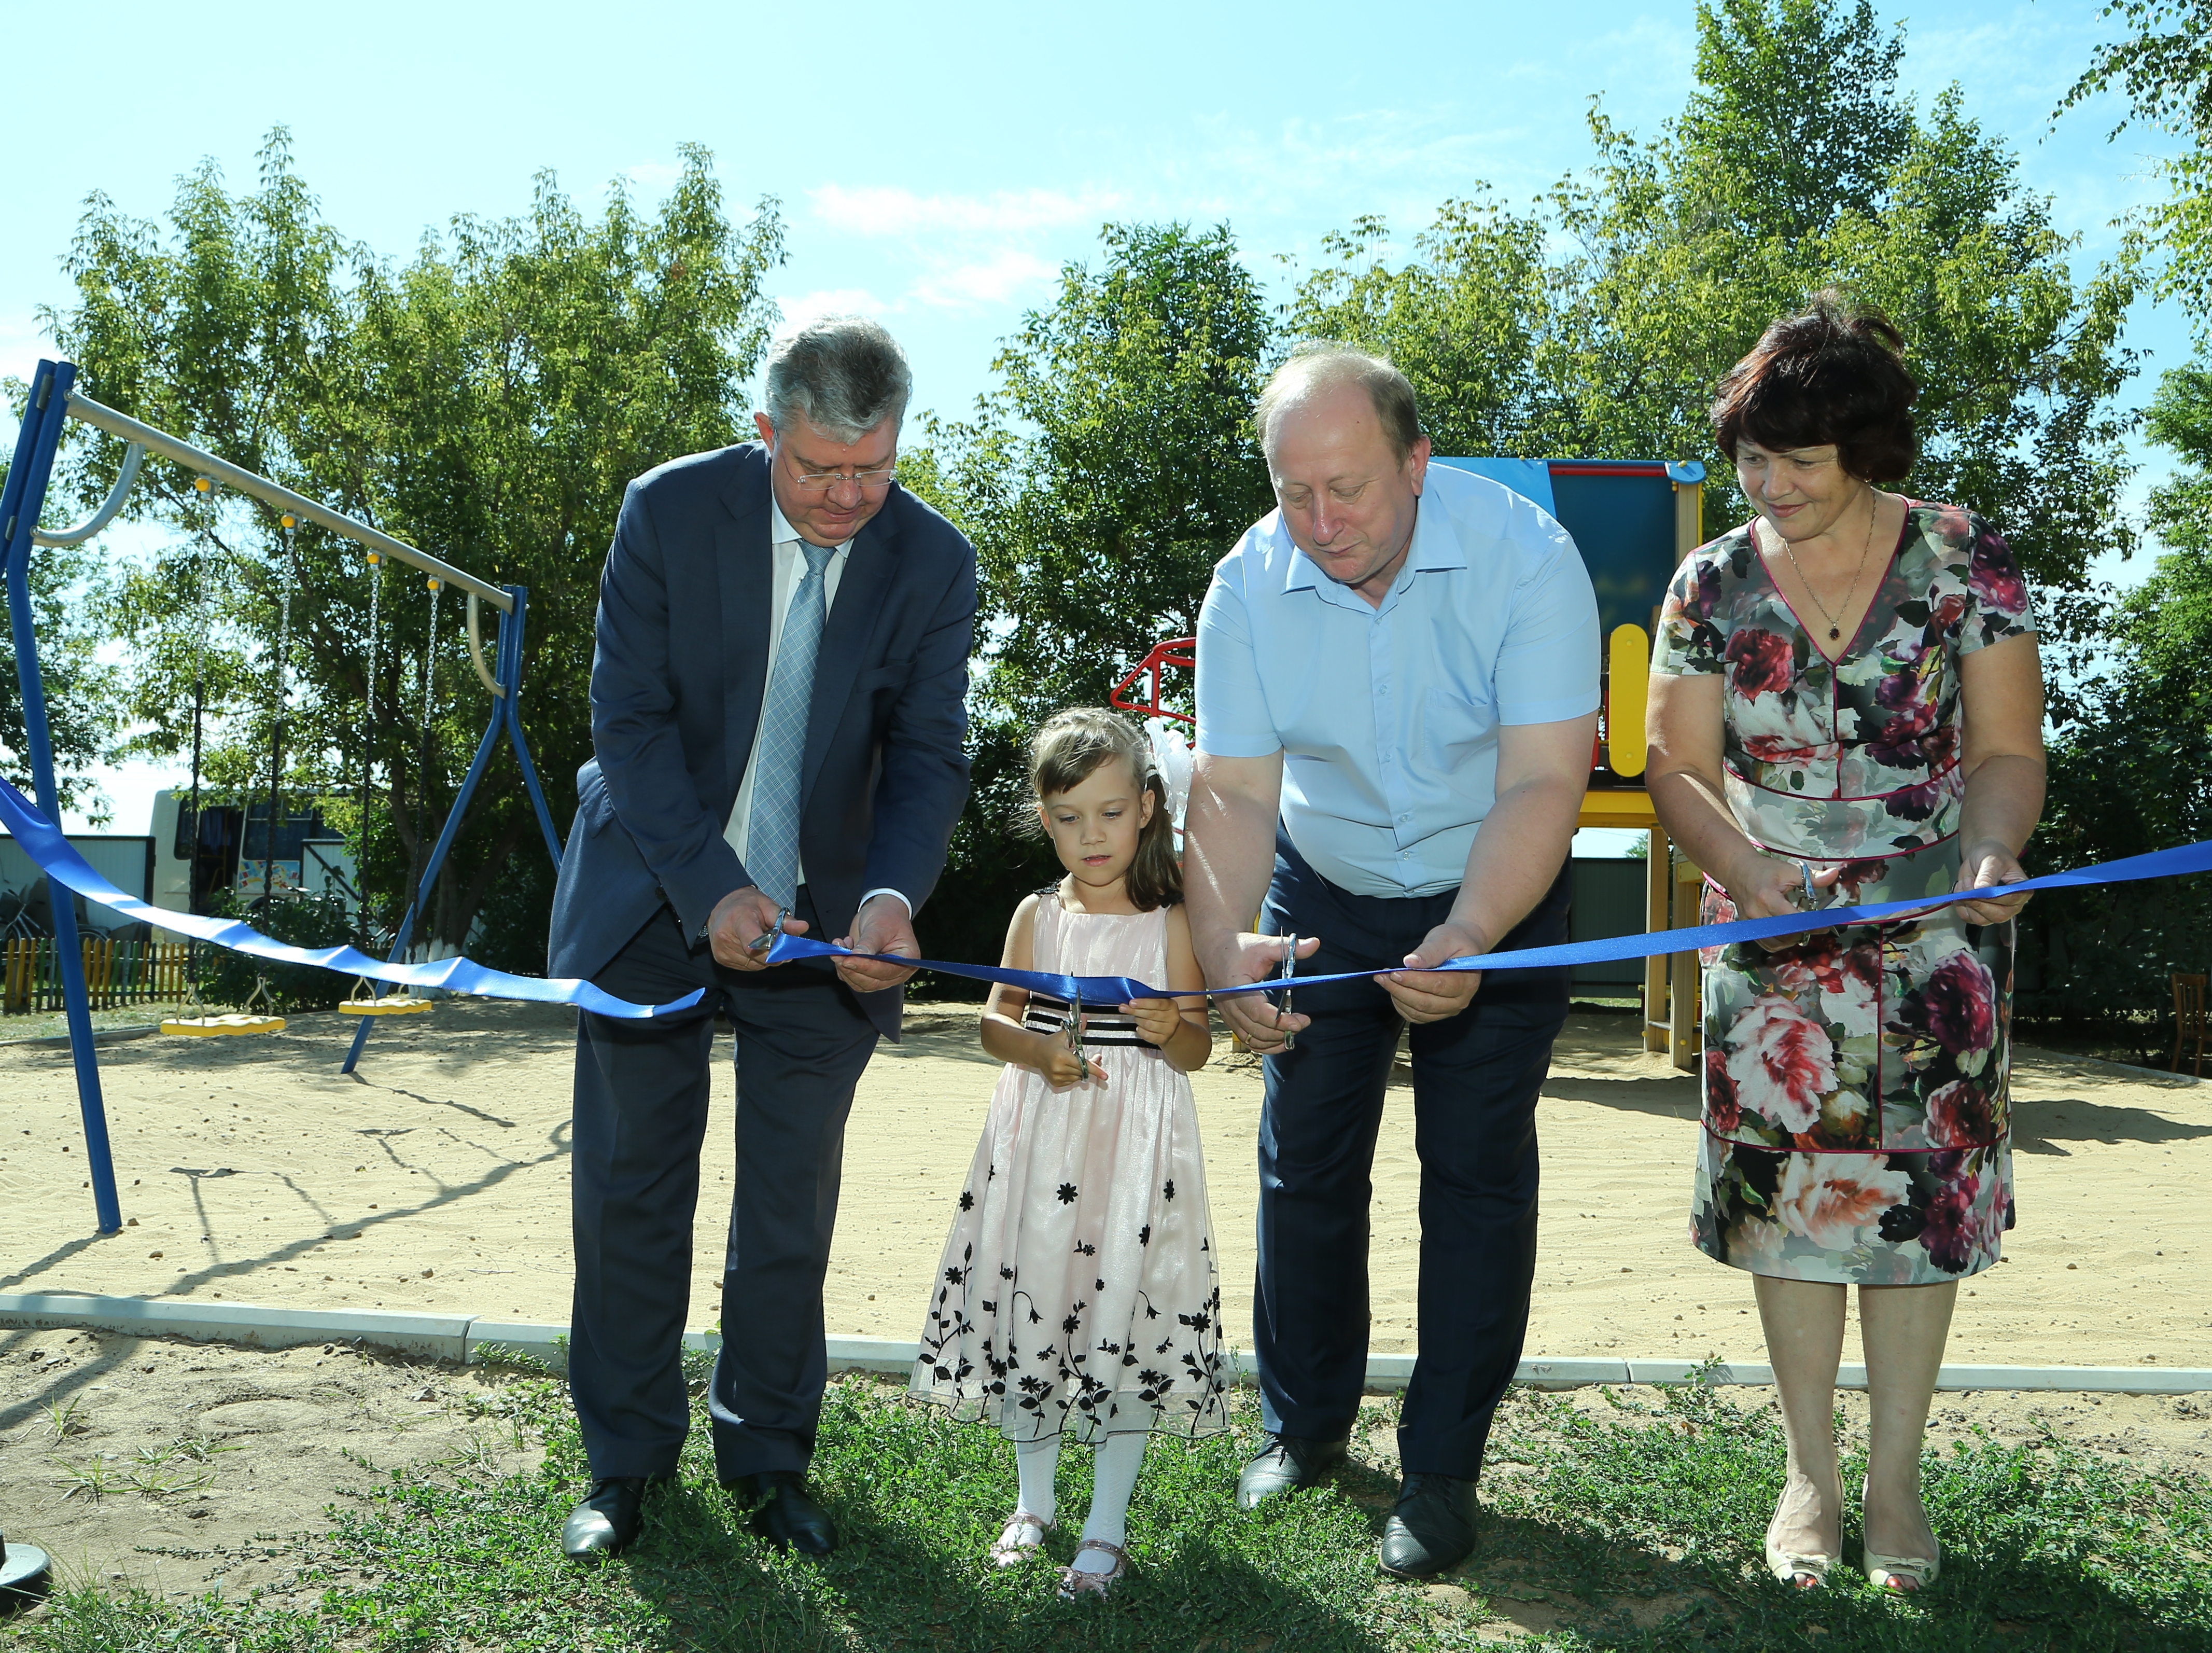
(640, 1114)
(1476, 1080)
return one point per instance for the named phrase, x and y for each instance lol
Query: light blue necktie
(772, 836)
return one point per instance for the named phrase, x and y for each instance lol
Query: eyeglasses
(822, 481)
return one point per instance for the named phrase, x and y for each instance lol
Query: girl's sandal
(1012, 1549)
(1903, 1575)
(1076, 1581)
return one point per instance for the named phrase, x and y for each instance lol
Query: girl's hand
(1157, 1019)
(1768, 886)
(1986, 863)
(1062, 1068)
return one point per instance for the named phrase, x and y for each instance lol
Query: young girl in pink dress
(1078, 1292)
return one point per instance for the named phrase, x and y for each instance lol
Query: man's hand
(1243, 958)
(739, 921)
(1432, 995)
(882, 926)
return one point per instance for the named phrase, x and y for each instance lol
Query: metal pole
(21, 501)
(510, 678)
(276, 494)
(276, 724)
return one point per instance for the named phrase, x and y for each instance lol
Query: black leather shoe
(788, 1516)
(608, 1522)
(1284, 1465)
(1432, 1528)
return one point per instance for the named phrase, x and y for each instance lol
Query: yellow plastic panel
(1629, 662)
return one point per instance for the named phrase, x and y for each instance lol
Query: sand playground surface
(435, 1179)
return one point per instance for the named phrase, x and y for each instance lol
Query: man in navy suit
(777, 713)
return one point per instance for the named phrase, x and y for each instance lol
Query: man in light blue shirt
(1397, 696)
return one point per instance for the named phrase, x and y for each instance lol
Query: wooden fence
(115, 973)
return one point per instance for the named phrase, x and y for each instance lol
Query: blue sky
(936, 165)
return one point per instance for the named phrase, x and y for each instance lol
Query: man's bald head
(1321, 365)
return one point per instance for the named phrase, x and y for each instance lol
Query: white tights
(1114, 1479)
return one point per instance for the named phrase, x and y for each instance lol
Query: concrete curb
(100, 1036)
(2163, 1075)
(472, 1337)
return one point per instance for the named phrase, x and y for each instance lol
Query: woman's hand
(1981, 865)
(1768, 887)
(1157, 1019)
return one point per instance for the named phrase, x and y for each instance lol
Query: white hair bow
(1171, 757)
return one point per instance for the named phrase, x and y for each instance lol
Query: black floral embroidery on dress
(1067, 1193)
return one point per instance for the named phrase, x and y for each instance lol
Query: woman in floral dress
(1846, 707)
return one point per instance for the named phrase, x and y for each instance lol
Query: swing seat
(390, 1004)
(217, 1027)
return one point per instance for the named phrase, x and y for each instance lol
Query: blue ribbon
(53, 852)
(1124, 990)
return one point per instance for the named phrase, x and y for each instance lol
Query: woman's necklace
(1835, 621)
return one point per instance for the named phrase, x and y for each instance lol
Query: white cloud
(997, 279)
(655, 176)
(881, 209)
(830, 301)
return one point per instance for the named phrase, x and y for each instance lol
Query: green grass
(1632, 1524)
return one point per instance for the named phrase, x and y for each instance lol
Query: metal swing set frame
(53, 400)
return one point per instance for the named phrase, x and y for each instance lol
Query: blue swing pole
(506, 717)
(21, 501)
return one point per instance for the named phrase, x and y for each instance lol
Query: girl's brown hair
(1075, 743)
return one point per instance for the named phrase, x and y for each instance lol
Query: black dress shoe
(608, 1522)
(1432, 1528)
(788, 1516)
(1284, 1465)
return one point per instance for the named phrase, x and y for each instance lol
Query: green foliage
(65, 587)
(486, 401)
(1796, 164)
(229, 978)
(1114, 465)
(2132, 769)
(1618, 1521)
(2164, 66)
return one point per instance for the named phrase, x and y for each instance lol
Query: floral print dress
(1077, 1292)
(1857, 1103)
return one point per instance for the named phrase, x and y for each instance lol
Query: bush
(229, 978)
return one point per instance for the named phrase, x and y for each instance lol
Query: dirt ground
(434, 1180)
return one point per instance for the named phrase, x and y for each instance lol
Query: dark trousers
(1476, 1080)
(640, 1113)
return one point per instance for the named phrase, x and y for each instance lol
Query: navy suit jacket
(678, 674)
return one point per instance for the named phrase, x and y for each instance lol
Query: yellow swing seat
(364, 1001)
(215, 1027)
(203, 1024)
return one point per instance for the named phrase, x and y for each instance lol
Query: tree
(486, 401)
(66, 587)
(1113, 466)
(1796, 164)
(2134, 772)
(2164, 68)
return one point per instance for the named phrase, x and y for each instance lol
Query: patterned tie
(772, 836)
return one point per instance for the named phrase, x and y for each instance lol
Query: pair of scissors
(766, 939)
(1289, 969)
(1075, 1039)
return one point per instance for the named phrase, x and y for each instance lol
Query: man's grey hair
(1319, 365)
(844, 374)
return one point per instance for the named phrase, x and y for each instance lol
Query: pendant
(1834, 633)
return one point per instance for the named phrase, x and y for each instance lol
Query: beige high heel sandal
(1903, 1575)
(1813, 1569)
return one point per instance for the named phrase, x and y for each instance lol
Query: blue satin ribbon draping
(51, 851)
(1123, 990)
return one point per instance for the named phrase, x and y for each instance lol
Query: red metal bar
(1176, 651)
